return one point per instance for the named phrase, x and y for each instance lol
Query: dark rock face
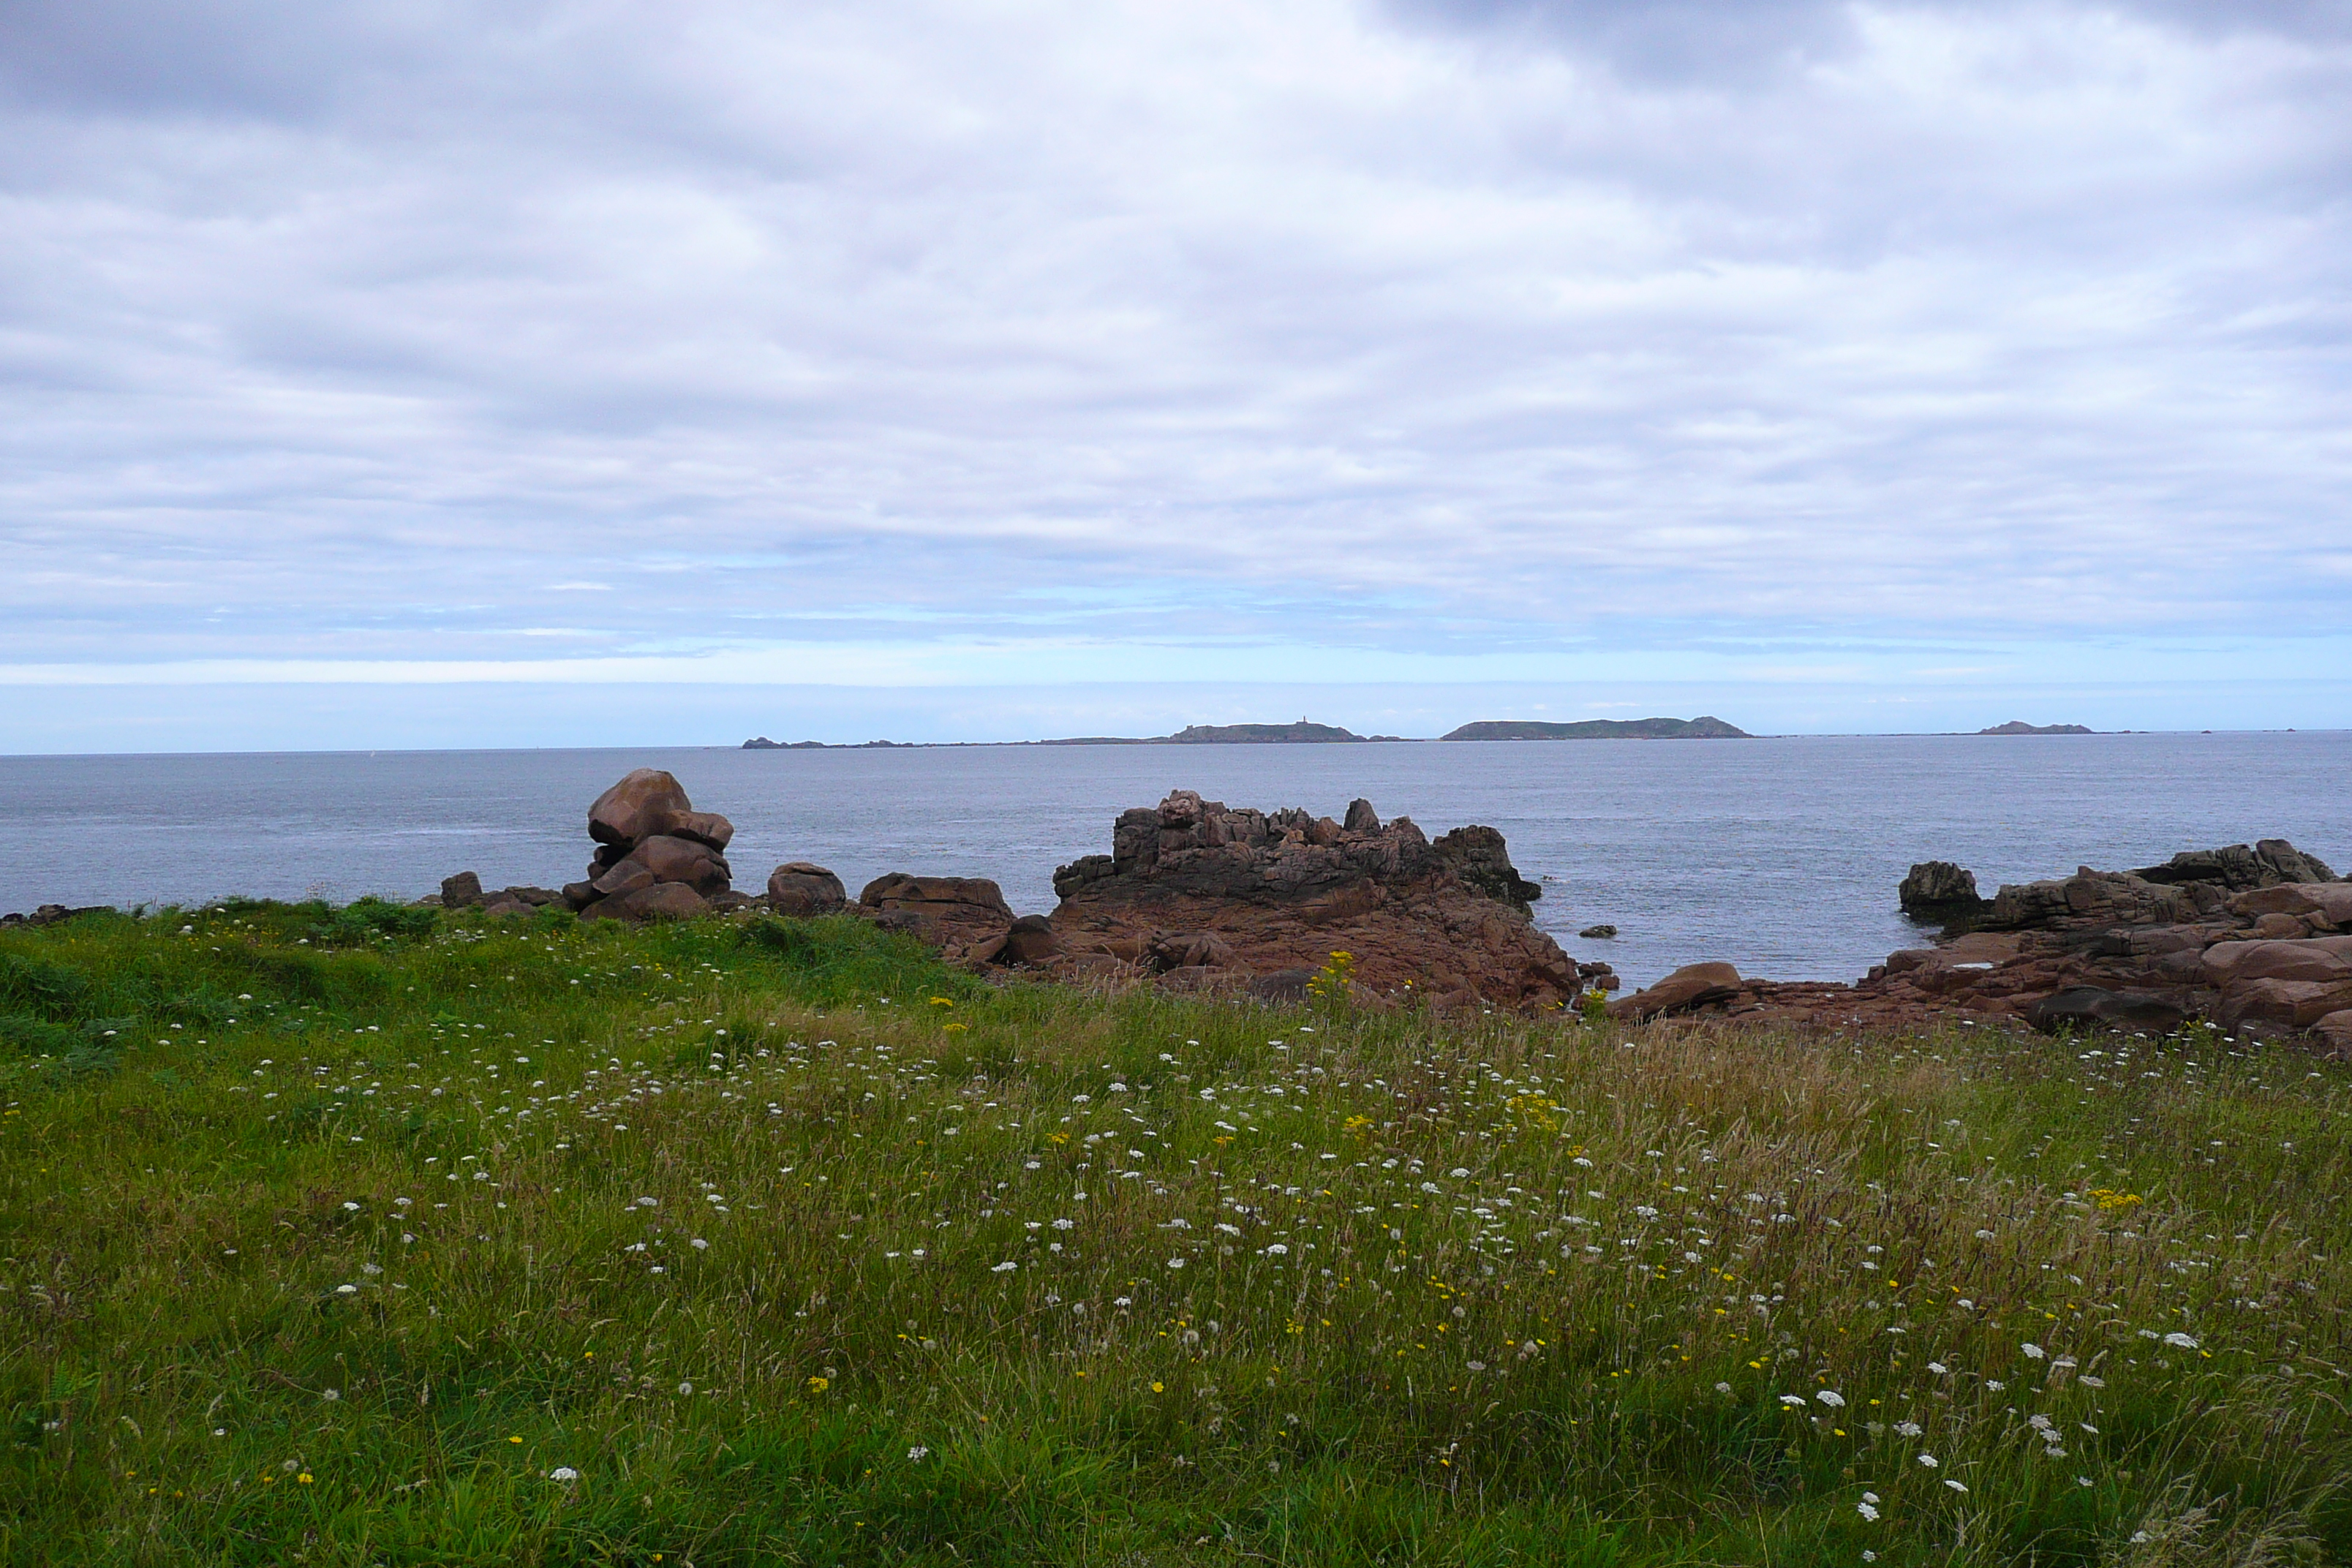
(798, 888)
(954, 914)
(1598, 933)
(1480, 858)
(1031, 940)
(1203, 894)
(461, 891)
(2271, 861)
(657, 856)
(1939, 890)
(2091, 1007)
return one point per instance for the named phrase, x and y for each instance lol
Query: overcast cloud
(1403, 340)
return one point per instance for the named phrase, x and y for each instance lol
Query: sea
(1781, 856)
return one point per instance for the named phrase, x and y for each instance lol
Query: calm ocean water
(1782, 856)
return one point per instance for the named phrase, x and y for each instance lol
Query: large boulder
(1691, 986)
(798, 888)
(1939, 890)
(955, 914)
(664, 858)
(1030, 941)
(656, 901)
(641, 805)
(2293, 1004)
(461, 891)
(2232, 963)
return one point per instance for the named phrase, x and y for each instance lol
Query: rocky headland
(2255, 938)
(1202, 896)
(2020, 727)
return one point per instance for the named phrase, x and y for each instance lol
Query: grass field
(382, 1236)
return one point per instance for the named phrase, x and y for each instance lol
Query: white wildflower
(2180, 1342)
(2033, 1352)
(1831, 1397)
(1929, 1460)
(1864, 1510)
(563, 1473)
(919, 1453)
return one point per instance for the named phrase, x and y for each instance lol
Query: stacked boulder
(657, 856)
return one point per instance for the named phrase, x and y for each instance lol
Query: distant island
(2020, 727)
(1705, 726)
(1308, 733)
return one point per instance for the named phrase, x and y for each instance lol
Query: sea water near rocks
(1779, 855)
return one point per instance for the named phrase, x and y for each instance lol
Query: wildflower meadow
(378, 1235)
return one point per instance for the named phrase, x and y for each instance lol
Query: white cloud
(857, 338)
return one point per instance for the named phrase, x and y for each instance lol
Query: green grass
(324, 1237)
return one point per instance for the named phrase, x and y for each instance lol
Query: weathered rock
(1030, 940)
(1480, 858)
(2235, 866)
(1362, 818)
(1691, 986)
(462, 891)
(1282, 892)
(702, 826)
(2294, 1003)
(2335, 1032)
(503, 903)
(952, 913)
(1939, 890)
(683, 860)
(2331, 901)
(2098, 898)
(2232, 963)
(799, 888)
(642, 805)
(2091, 1007)
(1598, 933)
(656, 901)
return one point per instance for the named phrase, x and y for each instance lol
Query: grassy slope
(339, 1244)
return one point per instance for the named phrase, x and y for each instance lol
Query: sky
(571, 372)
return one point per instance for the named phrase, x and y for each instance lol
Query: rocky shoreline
(1198, 897)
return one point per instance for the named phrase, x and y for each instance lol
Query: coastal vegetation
(378, 1234)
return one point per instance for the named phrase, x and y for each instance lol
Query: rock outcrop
(1940, 890)
(2229, 935)
(1210, 897)
(657, 856)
